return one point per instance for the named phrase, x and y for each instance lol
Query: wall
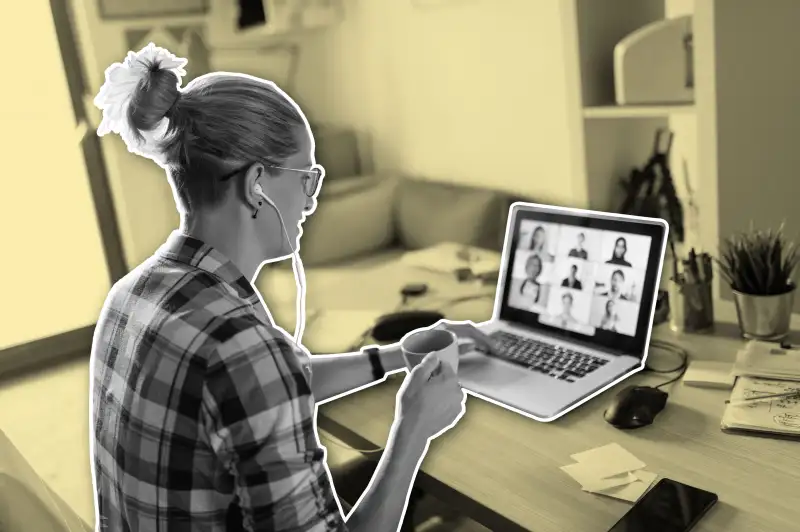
(758, 116)
(461, 93)
(468, 92)
(141, 193)
(53, 267)
(684, 164)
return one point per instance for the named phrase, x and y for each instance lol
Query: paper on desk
(612, 471)
(587, 476)
(630, 492)
(611, 482)
(767, 359)
(588, 473)
(335, 331)
(612, 457)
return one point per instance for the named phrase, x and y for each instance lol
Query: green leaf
(758, 261)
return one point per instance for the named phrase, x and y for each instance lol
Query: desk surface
(503, 469)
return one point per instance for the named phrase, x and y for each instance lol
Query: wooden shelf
(149, 23)
(636, 111)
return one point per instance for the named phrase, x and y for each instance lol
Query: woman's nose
(311, 204)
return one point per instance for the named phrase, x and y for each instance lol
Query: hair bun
(137, 97)
(154, 96)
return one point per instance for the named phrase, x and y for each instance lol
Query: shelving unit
(738, 139)
(636, 111)
(611, 139)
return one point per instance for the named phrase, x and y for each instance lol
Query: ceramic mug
(416, 346)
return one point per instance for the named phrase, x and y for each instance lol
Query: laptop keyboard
(548, 359)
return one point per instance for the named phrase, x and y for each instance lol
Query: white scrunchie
(116, 93)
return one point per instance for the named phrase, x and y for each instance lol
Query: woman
(615, 290)
(539, 243)
(200, 405)
(531, 289)
(610, 318)
(533, 267)
(618, 255)
(538, 239)
(531, 292)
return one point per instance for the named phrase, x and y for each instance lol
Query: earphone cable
(297, 270)
(299, 276)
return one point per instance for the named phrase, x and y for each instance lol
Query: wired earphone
(297, 267)
(299, 275)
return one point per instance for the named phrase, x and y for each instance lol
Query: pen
(695, 265)
(709, 271)
(795, 393)
(698, 267)
(676, 275)
(688, 271)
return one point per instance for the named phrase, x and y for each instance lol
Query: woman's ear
(252, 177)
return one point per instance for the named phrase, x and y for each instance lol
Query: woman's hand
(466, 330)
(430, 400)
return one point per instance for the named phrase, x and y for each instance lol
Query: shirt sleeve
(259, 418)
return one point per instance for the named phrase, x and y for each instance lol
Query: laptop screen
(586, 276)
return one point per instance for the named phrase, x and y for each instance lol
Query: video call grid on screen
(584, 277)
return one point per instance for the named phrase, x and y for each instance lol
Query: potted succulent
(759, 266)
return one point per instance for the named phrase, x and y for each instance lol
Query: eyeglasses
(311, 177)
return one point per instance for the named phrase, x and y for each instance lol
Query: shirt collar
(183, 248)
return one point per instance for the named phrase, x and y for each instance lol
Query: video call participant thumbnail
(579, 252)
(618, 255)
(539, 243)
(572, 280)
(616, 285)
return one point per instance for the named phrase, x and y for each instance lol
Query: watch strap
(378, 371)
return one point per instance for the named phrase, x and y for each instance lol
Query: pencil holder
(691, 307)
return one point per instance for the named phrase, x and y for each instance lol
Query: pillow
(429, 213)
(354, 217)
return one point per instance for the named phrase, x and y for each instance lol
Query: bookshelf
(636, 111)
(609, 140)
(737, 141)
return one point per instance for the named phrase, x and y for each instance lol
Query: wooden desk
(502, 469)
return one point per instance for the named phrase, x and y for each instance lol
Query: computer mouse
(392, 327)
(635, 406)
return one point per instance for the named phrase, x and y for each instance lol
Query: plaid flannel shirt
(199, 402)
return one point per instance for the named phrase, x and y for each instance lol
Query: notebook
(778, 416)
(766, 359)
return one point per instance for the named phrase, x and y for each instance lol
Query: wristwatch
(373, 353)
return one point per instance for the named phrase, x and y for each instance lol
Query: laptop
(574, 308)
